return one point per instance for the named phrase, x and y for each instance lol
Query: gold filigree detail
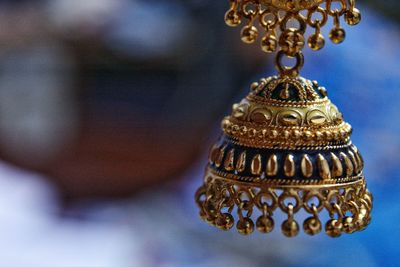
(266, 136)
(349, 206)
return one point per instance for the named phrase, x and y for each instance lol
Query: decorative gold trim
(283, 182)
(245, 133)
(348, 205)
(321, 115)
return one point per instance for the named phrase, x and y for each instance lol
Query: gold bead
(252, 132)
(352, 17)
(225, 221)
(337, 35)
(272, 165)
(241, 163)
(269, 43)
(355, 163)
(228, 164)
(316, 41)
(286, 134)
(306, 166)
(307, 135)
(349, 164)
(243, 130)
(256, 165)
(323, 167)
(337, 167)
(254, 86)
(296, 134)
(333, 228)
(328, 135)
(245, 226)
(232, 18)
(265, 224)
(312, 226)
(289, 167)
(348, 225)
(249, 34)
(290, 228)
(318, 135)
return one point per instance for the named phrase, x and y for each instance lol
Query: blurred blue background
(107, 112)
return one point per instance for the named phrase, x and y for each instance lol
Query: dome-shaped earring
(285, 147)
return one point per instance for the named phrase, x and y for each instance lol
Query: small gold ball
(296, 134)
(235, 129)
(328, 135)
(307, 135)
(245, 226)
(323, 91)
(225, 221)
(316, 41)
(251, 132)
(318, 135)
(352, 17)
(254, 86)
(333, 228)
(261, 134)
(290, 228)
(269, 43)
(249, 34)
(232, 18)
(348, 225)
(243, 130)
(286, 134)
(312, 226)
(337, 35)
(265, 224)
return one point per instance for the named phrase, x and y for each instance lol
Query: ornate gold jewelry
(285, 147)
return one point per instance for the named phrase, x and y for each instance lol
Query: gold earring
(285, 147)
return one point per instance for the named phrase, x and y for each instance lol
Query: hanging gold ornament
(285, 147)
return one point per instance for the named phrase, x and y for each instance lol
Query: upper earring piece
(284, 24)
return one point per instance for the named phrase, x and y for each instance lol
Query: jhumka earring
(286, 148)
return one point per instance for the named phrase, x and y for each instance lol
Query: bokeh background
(107, 112)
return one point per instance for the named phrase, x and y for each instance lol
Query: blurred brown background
(108, 96)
